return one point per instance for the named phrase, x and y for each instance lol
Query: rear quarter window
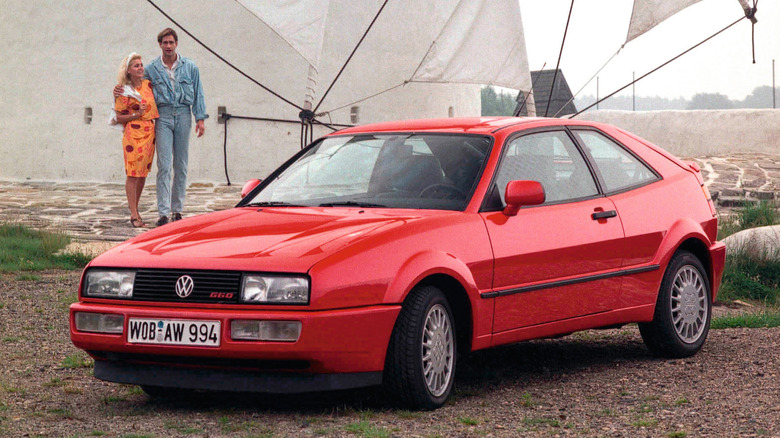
(619, 169)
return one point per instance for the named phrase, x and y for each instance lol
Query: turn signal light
(252, 330)
(99, 322)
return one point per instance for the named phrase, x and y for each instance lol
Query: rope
(657, 68)
(361, 100)
(555, 75)
(752, 17)
(589, 81)
(224, 149)
(350, 55)
(266, 119)
(221, 58)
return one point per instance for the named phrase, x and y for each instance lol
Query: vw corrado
(379, 254)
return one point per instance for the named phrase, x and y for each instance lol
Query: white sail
(649, 13)
(300, 23)
(482, 43)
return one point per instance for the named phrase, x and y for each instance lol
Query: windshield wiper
(272, 204)
(351, 204)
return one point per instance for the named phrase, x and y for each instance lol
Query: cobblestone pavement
(92, 212)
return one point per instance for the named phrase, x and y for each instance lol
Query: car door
(627, 181)
(553, 261)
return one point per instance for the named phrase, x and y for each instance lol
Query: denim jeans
(172, 143)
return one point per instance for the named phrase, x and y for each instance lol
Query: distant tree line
(503, 104)
(497, 104)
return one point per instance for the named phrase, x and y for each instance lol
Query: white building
(60, 59)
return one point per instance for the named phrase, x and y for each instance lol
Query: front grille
(209, 286)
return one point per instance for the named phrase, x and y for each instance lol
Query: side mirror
(249, 186)
(520, 193)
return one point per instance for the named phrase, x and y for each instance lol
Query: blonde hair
(122, 78)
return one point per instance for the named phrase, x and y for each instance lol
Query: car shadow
(480, 373)
(533, 362)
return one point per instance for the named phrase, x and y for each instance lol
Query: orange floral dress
(138, 140)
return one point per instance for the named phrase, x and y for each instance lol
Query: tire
(422, 354)
(683, 310)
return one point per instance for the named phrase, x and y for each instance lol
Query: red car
(379, 254)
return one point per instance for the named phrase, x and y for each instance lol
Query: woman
(136, 110)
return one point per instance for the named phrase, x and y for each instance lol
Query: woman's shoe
(136, 222)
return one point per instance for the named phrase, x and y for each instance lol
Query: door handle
(603, 215)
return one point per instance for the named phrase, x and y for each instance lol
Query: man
(178, 94)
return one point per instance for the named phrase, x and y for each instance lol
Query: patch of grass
(2, 305)
(263, 433)
(76, 361)
(645, 422)
(408, 415)
(114, 398)
(97, 433)
(468, 421)
(678, 434)
(747, 320)
(182, 428)
(134, 390)
(5, 387)
(645, 408)
(25, 276)
(25, 249)
(61, 413)
(10, 339)
(751, 215)
(527, 401)
(54, 382)
(681, 401)
(365, 429)
(750, 276)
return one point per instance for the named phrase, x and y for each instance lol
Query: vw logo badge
(184, 286)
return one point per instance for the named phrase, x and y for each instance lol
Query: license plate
(173, 332)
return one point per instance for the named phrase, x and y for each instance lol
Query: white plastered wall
(700, 133)
(61, 57)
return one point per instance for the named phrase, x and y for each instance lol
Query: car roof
(470, 125)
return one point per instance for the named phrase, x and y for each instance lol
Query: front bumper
(349, 345)
(230, 380)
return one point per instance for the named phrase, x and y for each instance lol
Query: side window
(618, 168)
(550, 158)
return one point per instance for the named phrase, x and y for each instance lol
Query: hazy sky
(598, 28)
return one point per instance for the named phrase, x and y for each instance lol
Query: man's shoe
(176, 217)
(162, 221)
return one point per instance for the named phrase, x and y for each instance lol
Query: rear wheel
(683, 310)
(421, 357)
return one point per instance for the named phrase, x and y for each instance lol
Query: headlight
(273, 289)
(109, 284)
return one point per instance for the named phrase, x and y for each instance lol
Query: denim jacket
(187, 90)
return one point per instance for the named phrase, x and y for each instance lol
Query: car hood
(266, 239)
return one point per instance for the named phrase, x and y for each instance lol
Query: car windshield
(421, 171)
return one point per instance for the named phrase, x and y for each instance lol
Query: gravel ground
(594, 383)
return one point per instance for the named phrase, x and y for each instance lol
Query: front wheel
(683, 310)
(421, 357)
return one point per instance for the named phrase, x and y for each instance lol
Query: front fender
(425, 264)
(428, 264)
